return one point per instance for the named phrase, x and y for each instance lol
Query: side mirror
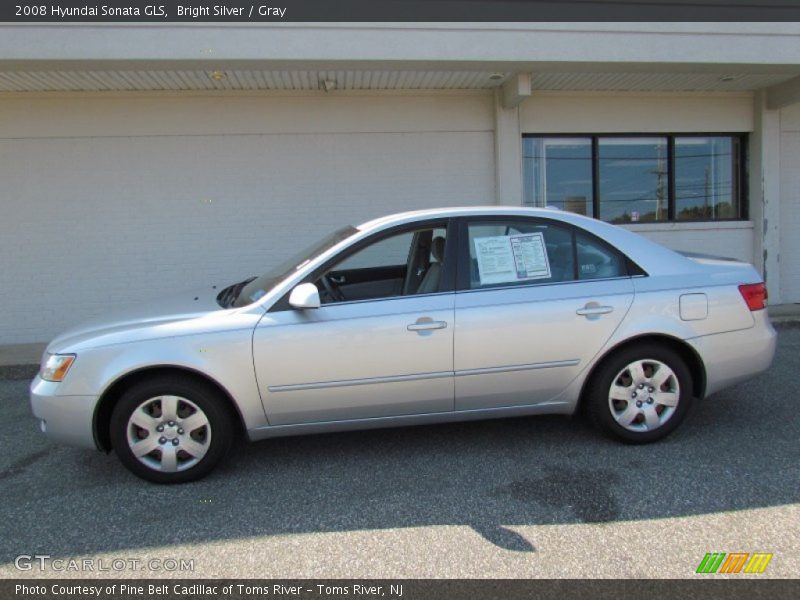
(305, 295)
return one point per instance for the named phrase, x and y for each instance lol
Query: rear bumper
(737, 356)
(65, 419)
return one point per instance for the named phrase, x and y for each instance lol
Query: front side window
(404, 264)
(387, 253)
(637, 178)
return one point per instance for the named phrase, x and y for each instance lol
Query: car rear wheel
(171, 429)
(640, 394)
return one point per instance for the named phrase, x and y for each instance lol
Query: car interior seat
(430, 283)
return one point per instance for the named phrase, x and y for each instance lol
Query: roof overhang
(553, 56)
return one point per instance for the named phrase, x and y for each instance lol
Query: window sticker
(510, 258)
(530, 256)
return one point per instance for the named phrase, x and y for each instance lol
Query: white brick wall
(92, 222)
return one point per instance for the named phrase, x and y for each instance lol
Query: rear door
(537, 300)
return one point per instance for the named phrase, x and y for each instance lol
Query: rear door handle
(426, 325)
(593, 309)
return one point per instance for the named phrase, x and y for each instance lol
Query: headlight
(56, 366)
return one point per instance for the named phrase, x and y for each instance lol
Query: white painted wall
(790, 204)
(573, 112)
(114, 199)
(638, 112)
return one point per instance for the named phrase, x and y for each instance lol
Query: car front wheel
(641, 394)
(171, 429)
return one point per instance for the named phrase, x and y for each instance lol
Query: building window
(636, 178)
(558, 172)
(707, 177)
(632, 183)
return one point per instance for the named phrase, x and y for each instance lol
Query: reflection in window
(637, 178)
(706, 178)
(558, 172)
(634, 179)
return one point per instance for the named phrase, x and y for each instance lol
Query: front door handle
(426, 324)
(594, 310)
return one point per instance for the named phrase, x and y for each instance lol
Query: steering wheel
(334, 292)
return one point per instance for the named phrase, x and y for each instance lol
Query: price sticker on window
(512, 258)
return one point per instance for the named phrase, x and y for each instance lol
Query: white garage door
(92, 222)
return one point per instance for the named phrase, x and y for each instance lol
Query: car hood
(159, 317)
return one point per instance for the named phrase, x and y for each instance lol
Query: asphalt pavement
(529, 497)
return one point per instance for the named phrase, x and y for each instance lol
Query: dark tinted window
(637, 178)
(558, 173)
(633, 179)
(706, 177)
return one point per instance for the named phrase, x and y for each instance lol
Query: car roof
(457, 211)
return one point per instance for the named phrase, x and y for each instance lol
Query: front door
(380, 345)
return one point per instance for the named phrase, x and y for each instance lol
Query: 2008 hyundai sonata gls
(422, 317)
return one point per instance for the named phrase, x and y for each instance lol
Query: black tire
(220, 427)
(599, 405)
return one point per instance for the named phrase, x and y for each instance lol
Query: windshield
(251, 290)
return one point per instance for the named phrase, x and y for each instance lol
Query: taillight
(755, 295)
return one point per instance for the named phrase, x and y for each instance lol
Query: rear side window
(597, 260)
(519, 252)
(529, 251)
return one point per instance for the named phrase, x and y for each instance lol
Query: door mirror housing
(305, 295)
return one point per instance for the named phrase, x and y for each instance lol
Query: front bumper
(65, 419)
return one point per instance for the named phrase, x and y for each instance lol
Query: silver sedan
(422, 317)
